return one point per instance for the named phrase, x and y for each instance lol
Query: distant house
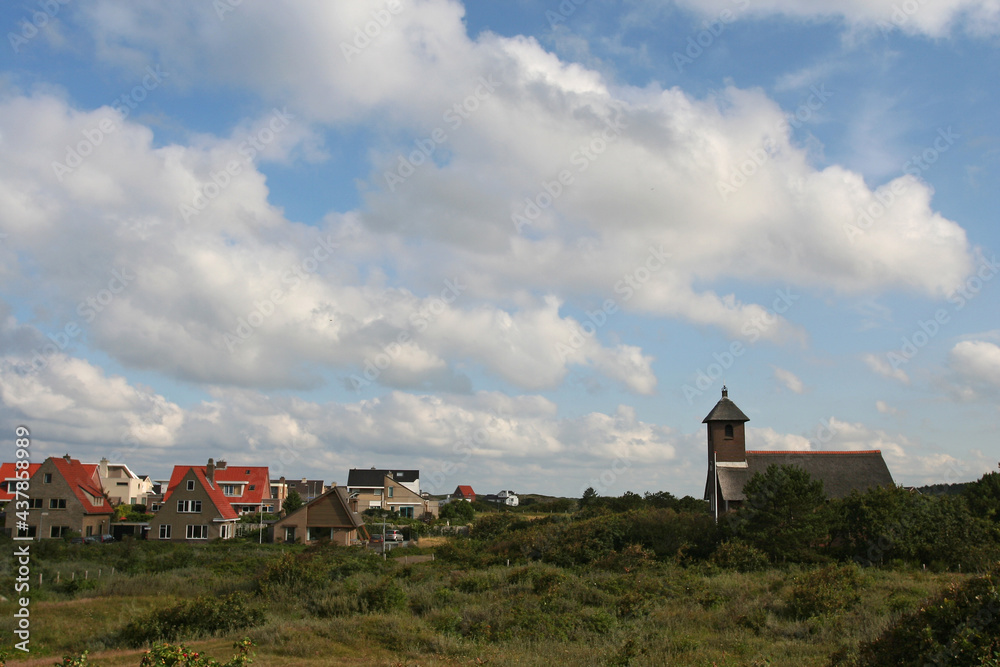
(195, 507)
(730, 465)
(332, 516)
(306, 488)
(464, 493)
(64, 496)
(395, 490)
(508, 498)
(244, 487)
(122, 485)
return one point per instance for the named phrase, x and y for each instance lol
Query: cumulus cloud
(974, 369)
(789, 380)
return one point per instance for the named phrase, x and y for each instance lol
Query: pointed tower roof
(725, 411)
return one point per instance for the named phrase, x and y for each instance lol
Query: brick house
(394, 490)
(8, 477)
(464, 492)
(333, 516)
(730, 465)
(195, 508)
(64, 496)
(246, 488)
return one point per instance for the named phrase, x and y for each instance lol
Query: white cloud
(882, 367)
(974, 369)
(789, 380)
(885, 409)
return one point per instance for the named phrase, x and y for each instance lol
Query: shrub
(166, 655)
(827, 590)
(382, 597)
(740, 556)
(201, 616)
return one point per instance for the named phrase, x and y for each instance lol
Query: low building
(730, 465)
(332, 517)
(63, 496)
(122, 485)
(508, 498)
(394, 490)
(464, 492)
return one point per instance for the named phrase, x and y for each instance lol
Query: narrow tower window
(729, 431)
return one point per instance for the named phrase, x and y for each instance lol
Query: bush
(739, 556)
(192, 618)
(824, 591)
(181, 656)
(382, 597)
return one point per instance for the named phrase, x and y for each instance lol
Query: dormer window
(729, 431)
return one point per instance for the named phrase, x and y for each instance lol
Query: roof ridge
(814, 451)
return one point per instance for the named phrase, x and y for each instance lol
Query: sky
(515, 245)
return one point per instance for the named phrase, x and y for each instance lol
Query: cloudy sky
(514, 245)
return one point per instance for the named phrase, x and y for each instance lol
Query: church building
(730, 465)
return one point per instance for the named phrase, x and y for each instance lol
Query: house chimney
(210, 471)
(221, 465)
(67, 457)
(103, 466)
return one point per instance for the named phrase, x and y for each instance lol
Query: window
(224, 531)
(58, 531)
(30, 532)
(188, 505)
(90, 531)
(729, 431)
(98, 501)
(34, 503)
(197, 532)
(47, 478)
(290, 534)
(253, 486)
(164, 531)
(231, 490)
(154, 507)
(57, 503)
(190, 486)
(121, 483)
(390, 491)
(406, 512)
(274, 492)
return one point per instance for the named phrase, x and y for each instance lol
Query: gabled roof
(336, 494)
(84, 483)
(375, 477)
(8, 471)
(725, 411)
(464, 491)
(840, 472)
(257, 476)
(222, 506)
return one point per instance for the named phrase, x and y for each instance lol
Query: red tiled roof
(83, 480)
(8, 471)
(818, 451)
(256, 476)
(465, 490)
(221, 502)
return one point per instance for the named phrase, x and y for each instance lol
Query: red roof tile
(256, 476)
(8, 471)
(83, 480)
(221, 502)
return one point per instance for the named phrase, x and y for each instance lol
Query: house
(122, 485)
(244, 487)
(8, 477)
(332, 516)
(508, 498)
(306, 488)
(395, 490)
(730, 465)
(195, 507)
(463, 492)
(64, 496)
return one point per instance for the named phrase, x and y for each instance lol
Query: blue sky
(517, 246)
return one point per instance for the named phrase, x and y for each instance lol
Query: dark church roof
(841, 472)
(725, 411)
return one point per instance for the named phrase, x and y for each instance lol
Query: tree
(458, 510)
(292, 502)
(782, 512)
(589, 497)
(984, 496)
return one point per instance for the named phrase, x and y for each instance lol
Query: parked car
(106, 538)
(376, 538)
(393, 536)
(83, 540)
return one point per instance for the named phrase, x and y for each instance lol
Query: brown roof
(340, 492)
(725, 411)
(840, 472)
